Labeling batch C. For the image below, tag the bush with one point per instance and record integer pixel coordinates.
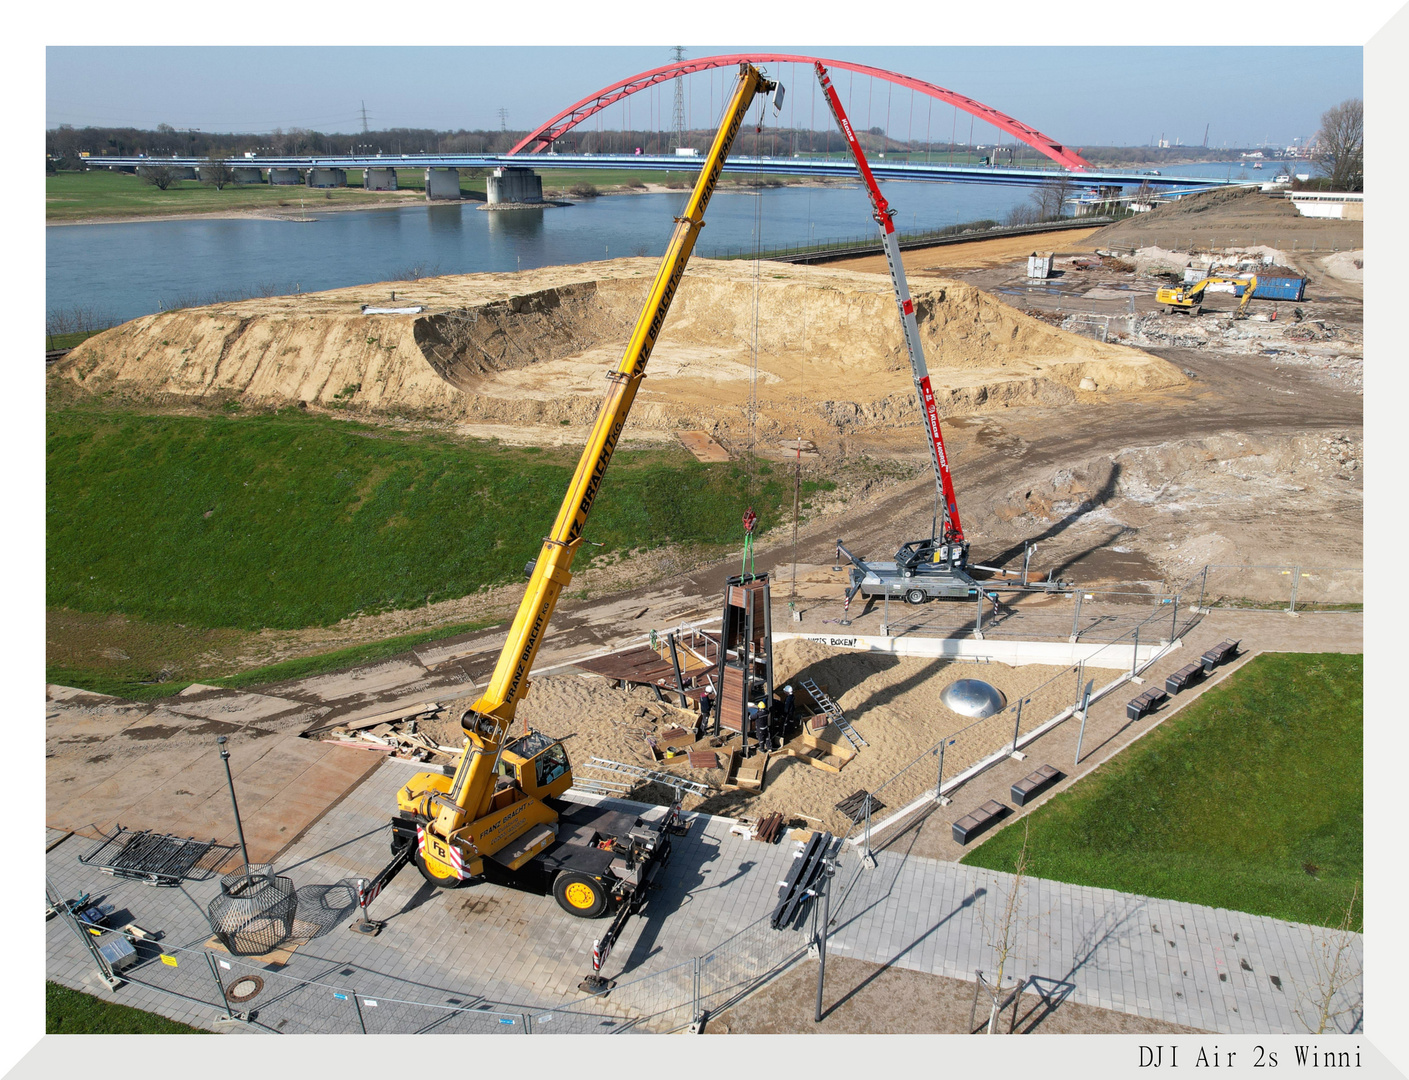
(584, 191)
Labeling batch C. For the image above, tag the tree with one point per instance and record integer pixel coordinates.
(1340, 145)
(160, 177)
(1332, 995)
(217, 172)
(1005, 928)
(1051, 197)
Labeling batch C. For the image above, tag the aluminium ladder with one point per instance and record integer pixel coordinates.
(834, 714)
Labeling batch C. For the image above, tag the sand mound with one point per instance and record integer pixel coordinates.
(1346, 265)
(532, 348)
(894, 702)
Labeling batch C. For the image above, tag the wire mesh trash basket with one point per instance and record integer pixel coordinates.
(254, 913)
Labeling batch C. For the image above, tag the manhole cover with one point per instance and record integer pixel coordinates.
(244, 988)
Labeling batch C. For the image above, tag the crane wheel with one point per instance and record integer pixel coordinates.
(580, 895)
(915, 596)
(429, 873)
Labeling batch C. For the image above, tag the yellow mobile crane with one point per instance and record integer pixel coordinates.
(1190, 299)
(500, 803)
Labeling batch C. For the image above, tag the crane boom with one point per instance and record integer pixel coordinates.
(459, 826)
(944, 482)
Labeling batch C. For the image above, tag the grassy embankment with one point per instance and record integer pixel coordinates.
(186, 533)
(99, 193)
(69, 1012)
(1249, 799)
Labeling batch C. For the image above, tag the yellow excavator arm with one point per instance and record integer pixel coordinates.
(1180, 299)
(458, 826)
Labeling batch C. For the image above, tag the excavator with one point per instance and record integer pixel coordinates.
(501, 813)
(1190, 298)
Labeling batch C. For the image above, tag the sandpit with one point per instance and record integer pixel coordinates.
(532, 348)
(894, 702)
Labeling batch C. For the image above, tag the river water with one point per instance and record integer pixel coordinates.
(135, 268)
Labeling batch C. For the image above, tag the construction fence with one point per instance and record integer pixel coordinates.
(970, 750)
(1295, 588)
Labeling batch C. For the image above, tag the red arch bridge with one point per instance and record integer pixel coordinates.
(535, 151)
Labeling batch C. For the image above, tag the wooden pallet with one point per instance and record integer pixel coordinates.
(854, 805)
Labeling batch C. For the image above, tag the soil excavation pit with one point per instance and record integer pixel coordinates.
(893, 702)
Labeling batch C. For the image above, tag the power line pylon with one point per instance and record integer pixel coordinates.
(677, 137)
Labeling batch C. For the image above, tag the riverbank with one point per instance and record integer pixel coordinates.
(99, 197)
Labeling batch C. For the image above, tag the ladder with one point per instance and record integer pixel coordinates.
(636, 775)
(834, 714)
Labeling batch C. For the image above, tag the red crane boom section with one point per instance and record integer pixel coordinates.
(944, 482)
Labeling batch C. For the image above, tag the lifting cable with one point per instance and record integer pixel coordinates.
(750, 519)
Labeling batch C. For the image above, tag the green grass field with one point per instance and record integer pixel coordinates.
(69, 1012)
(1249, 799)
(75, 196)
(289, 520)
(100, 193)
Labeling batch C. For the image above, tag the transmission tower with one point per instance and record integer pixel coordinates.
(364, 118)
(677, 137)
(503, 119)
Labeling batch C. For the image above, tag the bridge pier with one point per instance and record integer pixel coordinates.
(442, 183)
(380, 179)
(285, 176)
(514, 184)
(323, 177)
(247, 175)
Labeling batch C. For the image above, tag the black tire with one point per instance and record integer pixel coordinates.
(915, 596)
(580, 895)
(437, 881)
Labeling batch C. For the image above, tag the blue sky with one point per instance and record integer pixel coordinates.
(1078, 95)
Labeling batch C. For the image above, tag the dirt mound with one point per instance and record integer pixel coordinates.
(1212, 220)
(819, 343)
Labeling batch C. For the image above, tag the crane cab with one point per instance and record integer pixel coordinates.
(538, 764)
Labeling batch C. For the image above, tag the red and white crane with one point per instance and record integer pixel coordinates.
(953, 530)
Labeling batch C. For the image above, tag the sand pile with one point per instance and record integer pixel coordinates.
(894, 702)
(533, 347)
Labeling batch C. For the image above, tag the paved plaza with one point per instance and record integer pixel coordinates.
(514, 953)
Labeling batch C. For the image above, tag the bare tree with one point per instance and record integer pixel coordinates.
(160, 177)
(217, 172)
(1335, 970)
(1004, 931)
(1340, 145)
(1051, 197)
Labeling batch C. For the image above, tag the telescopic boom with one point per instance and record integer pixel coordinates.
(458, 830)
(944, 483)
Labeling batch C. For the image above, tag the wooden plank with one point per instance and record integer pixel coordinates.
(379, 718)
(752, 771)
(704, 759)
